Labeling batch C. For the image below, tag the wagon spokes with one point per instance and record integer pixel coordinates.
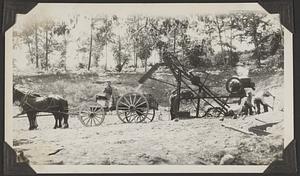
(127, 101)
(132, 107)
(150, 116)
(91, 114)
(126, 105)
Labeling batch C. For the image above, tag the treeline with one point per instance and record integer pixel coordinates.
(197, 40)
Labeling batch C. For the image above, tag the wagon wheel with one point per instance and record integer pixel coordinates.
(91, 114)
(132, 107)
(234, 85)
(150, 116)
(214, 112)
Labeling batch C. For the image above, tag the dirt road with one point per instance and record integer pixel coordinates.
(193, 141)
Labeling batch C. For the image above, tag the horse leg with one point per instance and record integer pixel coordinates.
(64, 113)
(30, 117)
(34, 121)
(66, 116)
(59, 118)
(56, 120)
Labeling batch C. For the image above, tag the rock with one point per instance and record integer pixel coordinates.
(227, 159)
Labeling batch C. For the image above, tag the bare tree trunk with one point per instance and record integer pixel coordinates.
(65, 54)
(256, 45)
(30, 51)
(120, 64)
(105, 67)
(231, 38)
(221, 45)
(138, 47)
(134, 56)
(46, 51)
(36, 48)
(220, 38)
(91, 43)
(119, 53)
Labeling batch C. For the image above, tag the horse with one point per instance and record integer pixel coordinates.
(31, 104)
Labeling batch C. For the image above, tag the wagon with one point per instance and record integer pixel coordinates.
(131, 108)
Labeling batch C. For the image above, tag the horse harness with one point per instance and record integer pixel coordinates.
(24, 101)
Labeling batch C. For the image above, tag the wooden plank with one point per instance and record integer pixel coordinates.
(261, 120)
(236, 129)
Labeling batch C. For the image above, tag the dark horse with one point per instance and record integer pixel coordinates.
(31, 104)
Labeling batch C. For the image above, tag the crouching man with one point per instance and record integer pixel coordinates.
(261, 100)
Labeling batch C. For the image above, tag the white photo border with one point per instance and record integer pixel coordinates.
(288, 114)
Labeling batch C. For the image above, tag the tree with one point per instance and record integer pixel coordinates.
(30, 35)
(91, 44)
(256, 27)
(47, 27)
(232, 26)
(36, 45)
(26, 36)
(141, 42)
(104, 35)
(62, 29)
(169, 34)
(120, 54)
(133, 29)
(94, 44)
(219, 25)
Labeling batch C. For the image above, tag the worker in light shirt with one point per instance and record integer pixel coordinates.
(260, 99)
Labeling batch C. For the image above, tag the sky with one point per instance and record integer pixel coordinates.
(64, 11)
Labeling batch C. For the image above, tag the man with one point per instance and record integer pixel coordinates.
(107, 93)
(245, 107)
(260, 100)
(248, 104)
(185, 94)
(173, 103)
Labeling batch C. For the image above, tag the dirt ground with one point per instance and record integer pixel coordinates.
(186, 142)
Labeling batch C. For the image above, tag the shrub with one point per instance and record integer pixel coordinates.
(227, 58)
(196, 57)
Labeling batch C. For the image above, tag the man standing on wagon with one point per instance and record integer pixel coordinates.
(107, 93)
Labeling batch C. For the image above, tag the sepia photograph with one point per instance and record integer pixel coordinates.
(137, 85)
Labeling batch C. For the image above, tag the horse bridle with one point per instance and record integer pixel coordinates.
(24, 101)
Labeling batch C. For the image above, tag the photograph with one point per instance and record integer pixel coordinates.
(148, 87)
